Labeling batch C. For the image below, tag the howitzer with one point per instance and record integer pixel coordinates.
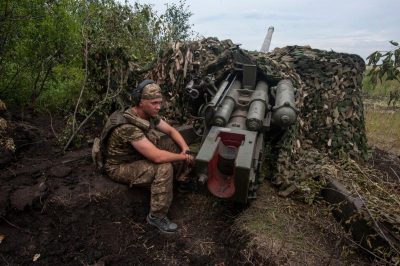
(237, 118)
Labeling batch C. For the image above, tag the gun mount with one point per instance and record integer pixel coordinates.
(237, 118)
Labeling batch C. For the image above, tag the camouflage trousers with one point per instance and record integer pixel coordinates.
(158, 176)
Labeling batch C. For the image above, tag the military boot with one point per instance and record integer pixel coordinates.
(163, 224)
(188, 186)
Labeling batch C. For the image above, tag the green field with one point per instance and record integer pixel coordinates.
(381, 121)
(381, 89)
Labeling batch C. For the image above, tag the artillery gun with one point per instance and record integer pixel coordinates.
(242, 111)
(246, 106)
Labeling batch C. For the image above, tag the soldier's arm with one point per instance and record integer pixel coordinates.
(154, 154)
(174, 134)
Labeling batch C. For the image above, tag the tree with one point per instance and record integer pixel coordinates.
(385, 64)
(119, 41)
(40, 35)
(176, 20)
(70, 56)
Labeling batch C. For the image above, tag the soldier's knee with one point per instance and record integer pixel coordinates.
(164, 176)
(166, 169)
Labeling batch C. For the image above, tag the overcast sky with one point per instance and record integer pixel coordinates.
(351, 26)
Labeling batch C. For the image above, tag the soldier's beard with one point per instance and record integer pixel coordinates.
(151, 113)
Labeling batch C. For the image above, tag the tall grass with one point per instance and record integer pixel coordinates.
(381, 89)
(383, 127)
(382, 123)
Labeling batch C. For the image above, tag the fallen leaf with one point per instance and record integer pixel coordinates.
(329, 142)
(298, 143)
(36, 257)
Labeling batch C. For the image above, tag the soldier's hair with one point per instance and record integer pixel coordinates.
(137, 92)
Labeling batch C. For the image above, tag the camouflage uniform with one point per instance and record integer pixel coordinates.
(126, 165)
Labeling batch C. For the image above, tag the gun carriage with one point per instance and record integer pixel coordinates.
(243, 109)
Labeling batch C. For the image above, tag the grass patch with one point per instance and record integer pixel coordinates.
(287, 231)
(383, 126)
(381, 89)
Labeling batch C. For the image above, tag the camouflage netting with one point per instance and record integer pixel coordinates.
(331, 118)
(205, 62)
(328, 83)
(330, 136)
(330, 131)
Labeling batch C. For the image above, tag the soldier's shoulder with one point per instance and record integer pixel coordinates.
(126, 128)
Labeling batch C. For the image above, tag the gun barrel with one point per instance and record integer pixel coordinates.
(284, 112)
(228, 105)
(267, 41)
(208, 111)
(258, 107)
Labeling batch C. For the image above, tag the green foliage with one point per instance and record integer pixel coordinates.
(50, 50)
(385, 65)
(110, 26)
(380, 88)
(44, 35)
(62, 89)
(176, 22)
(79, 57)
(122, 39)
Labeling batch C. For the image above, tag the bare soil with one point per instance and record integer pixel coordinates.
(55, 209)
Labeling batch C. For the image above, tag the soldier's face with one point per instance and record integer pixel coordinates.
(151, 107)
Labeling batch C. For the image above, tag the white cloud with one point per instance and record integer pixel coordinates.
(353, 26)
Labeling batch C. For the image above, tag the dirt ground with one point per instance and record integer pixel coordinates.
(55, 209)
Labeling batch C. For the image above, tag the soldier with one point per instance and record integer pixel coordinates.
(134, 157)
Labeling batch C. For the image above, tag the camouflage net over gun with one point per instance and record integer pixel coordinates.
(329, 139)
(331, 118)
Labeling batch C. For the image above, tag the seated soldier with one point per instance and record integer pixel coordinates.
(134, 156)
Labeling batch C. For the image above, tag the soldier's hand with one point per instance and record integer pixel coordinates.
(189, 159)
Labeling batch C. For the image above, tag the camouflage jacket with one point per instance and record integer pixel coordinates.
(118, 147)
